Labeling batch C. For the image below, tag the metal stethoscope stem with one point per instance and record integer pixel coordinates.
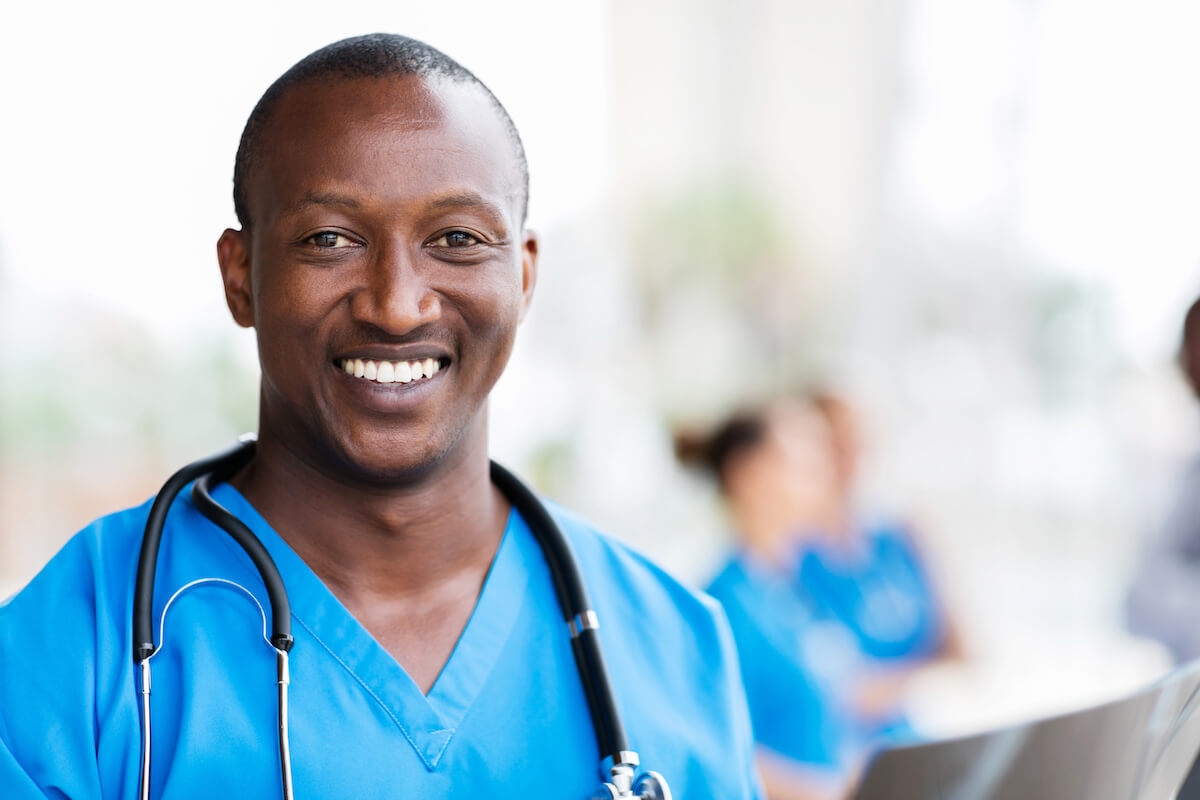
(282, 681)
(285, 753)
(618, 766)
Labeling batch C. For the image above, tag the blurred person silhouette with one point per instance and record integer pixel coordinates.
(868, 570)
(1165, 592)
(832, 615)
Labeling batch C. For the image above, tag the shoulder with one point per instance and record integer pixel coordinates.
(64, 653)
(653, 624)
(728, 580)
(82, 595)
(81, 601)
(88, 568)
(671, 655)
(616, 568)
(891, 535)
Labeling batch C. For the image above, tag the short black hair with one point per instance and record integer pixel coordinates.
(375, 55)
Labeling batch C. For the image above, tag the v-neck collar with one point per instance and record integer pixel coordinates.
(428, 722)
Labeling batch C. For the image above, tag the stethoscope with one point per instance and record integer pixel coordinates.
(618, 763)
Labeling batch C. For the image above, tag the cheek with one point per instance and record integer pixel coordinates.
(293, 298)
(491, 332)
(291, 308)
(493, 305)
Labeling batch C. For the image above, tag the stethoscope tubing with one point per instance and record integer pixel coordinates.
(282, 679)
(577, 613)
(143, 592)
(281, 609)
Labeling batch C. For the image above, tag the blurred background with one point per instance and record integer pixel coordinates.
(977, 221)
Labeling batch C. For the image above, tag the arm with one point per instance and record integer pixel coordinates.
(881, 689)
(48, 733)
(950, 646)
(1164, 598)
(785, 779)
(738, 711)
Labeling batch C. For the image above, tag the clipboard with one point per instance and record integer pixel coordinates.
(1138, 747)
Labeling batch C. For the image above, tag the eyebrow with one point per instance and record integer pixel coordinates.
(327, 199)
(455, 200)
(466, 200)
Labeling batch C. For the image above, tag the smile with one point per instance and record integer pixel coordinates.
(391, 371)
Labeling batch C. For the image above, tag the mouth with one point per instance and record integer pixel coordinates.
(385, 372)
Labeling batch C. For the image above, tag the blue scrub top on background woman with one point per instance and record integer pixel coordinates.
(879, 590)
(791, 711)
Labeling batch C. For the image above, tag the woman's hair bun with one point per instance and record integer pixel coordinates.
(713, 451)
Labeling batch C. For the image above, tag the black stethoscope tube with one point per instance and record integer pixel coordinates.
(143, 593)
(281, 610)
(575, 605)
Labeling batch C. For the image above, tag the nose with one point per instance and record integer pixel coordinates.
(396, 295)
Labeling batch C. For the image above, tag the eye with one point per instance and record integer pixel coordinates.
(454, 239)
(331, 240)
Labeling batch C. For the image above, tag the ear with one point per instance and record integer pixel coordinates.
(233, 254)
(529, 257)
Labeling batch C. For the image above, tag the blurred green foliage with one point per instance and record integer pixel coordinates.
(99, 377)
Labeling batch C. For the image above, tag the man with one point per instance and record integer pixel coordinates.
(384, 265)
(1165, 593)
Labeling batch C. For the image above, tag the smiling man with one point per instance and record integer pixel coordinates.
(385, 266)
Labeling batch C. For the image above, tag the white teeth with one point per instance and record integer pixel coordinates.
(391, 371)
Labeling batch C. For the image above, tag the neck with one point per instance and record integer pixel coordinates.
(764, 535)
(770, 532)
(404, 541)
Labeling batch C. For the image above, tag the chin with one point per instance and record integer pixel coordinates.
(384, 465)
(401, 459)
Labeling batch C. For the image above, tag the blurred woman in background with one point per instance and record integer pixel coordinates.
(831, 614)
(867, 571)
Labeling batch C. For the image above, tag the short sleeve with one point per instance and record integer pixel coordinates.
(737, 711)
(47, 682)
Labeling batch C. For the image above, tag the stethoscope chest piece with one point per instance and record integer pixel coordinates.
(647, 786)
(651, 786)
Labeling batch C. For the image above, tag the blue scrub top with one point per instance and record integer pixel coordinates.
(806, 634)
(506, 718)
(791, 711)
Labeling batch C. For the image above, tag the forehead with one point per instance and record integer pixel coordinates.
(793, 423)
(388, 139)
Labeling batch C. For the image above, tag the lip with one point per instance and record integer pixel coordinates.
(390, 398)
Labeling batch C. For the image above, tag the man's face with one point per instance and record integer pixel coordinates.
(386, 242)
